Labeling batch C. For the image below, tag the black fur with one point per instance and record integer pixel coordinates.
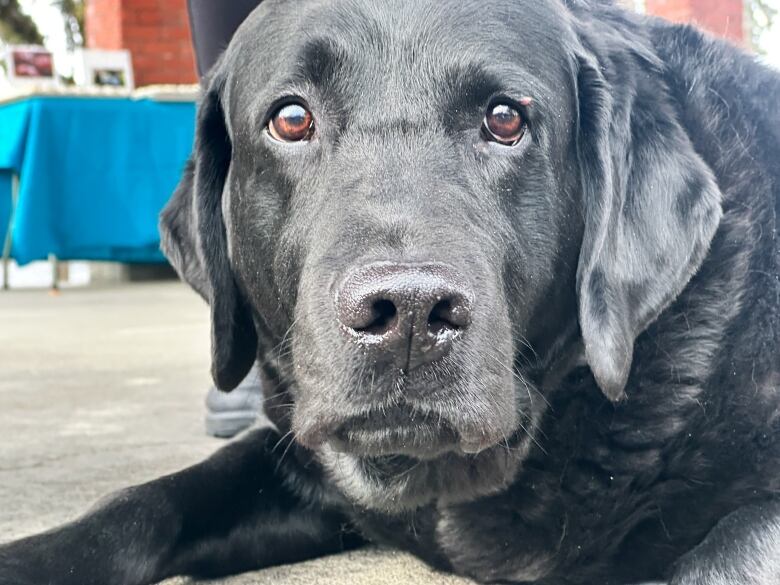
(620, 379)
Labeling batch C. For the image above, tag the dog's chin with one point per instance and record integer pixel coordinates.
(393, 483)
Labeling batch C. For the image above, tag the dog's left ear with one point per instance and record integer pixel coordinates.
(195, 242)
(651, 210)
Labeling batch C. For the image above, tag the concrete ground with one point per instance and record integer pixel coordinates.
(103, 388)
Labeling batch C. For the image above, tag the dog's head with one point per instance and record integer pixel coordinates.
(417, 210)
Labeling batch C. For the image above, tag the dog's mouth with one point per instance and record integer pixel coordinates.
(402, 469)
(451, 431)
(400, 431)
(395, 432)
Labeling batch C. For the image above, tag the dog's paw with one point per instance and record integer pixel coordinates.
(715, 573)
(742, 549)
(30, 561)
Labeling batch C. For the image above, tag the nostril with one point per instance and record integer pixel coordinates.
(439, 318)
(384, 314)
(448, 315)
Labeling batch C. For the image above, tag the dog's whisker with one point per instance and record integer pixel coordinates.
(281, 440)
(284, 454)
(519, 377)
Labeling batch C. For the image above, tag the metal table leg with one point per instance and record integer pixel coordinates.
(55, 272)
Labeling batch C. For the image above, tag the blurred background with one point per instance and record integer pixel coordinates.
(96, 121)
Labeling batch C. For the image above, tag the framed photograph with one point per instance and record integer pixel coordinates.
(29, 65)
(98, 68)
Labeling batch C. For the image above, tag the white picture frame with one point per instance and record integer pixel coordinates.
(30, 65)
(102, 68)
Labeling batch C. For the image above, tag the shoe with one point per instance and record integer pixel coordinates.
(229, 413)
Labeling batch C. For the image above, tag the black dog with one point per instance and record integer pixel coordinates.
(511, 270)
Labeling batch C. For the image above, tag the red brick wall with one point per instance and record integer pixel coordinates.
(155, 31)
(725, 18)
(103, 24)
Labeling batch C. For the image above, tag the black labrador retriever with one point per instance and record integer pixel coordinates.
(511, 271)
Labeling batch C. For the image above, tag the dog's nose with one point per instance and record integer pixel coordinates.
(409, 312)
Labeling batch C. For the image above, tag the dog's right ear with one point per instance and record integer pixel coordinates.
(195, 242)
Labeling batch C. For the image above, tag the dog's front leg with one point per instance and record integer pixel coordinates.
(243, 508)
(742, 549)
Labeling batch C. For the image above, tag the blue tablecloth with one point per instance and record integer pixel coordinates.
(94, 175)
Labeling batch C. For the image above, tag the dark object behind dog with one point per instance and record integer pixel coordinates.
(511, 269)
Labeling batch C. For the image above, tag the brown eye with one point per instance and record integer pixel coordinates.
(291, 123)
(504, 124)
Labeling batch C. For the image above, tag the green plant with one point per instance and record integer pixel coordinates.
(16, 26)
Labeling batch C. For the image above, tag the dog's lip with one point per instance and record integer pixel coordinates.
(400, 430)
(395, 432)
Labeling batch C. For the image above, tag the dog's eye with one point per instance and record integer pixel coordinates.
(504, 124)
(291, 123)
